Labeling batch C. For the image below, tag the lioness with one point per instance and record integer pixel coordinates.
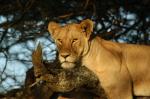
(123, 69)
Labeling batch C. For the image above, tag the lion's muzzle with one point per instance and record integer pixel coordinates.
(67, 60)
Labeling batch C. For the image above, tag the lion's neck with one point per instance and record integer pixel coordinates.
(102, 54)
(93, 54)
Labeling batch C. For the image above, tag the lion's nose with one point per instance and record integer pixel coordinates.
(65, 55)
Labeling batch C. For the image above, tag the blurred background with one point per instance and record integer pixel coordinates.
(23, 23)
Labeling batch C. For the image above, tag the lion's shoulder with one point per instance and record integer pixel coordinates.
(112, 46)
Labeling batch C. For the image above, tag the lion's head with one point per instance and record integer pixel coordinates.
(72, 41)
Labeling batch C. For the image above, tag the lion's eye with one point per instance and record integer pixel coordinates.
(74, 40)
(59, 41)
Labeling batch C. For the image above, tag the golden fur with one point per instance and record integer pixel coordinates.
(123, 69)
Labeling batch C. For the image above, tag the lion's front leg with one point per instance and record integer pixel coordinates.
(118, 91)
(117, 85)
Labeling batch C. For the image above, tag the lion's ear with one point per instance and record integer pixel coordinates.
(87, 27)
(52, 26)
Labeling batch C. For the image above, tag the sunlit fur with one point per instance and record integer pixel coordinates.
(123, 69)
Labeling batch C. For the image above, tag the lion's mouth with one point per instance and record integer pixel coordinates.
(68, 65)
(68, 62)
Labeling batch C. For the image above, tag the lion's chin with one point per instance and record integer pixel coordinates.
(68, 65)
